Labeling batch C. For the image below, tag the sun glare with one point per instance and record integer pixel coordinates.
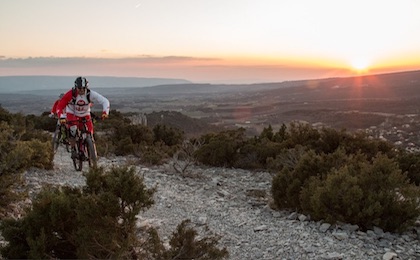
(360, 65)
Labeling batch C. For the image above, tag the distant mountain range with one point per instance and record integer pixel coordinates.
(394, 93)
(26, 84)
(394, 84)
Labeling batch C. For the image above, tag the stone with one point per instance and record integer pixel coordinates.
(324, 227)
(389, 256)
(219, 200)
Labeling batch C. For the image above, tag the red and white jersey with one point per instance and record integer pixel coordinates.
(81, 106)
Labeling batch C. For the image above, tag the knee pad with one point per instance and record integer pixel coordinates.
(73, 130)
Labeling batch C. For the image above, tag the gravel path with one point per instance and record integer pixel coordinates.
(234, 203)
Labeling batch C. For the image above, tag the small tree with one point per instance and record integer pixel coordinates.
(359, 191)
(185, 156)
(67, 223)
(15, 157)
(221, 149)
(98, 222)
(185, 246)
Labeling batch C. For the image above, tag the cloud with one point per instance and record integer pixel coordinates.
(196, 69)
(139, 66)
(62, 61)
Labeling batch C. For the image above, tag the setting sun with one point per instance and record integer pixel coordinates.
(360, 64)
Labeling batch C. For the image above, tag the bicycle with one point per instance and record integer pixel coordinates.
(60, 137)
(84, 148)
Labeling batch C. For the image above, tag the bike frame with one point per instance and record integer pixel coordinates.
(84, 146)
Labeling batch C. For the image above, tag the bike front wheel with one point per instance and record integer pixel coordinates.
(77, 161)
(91, 149)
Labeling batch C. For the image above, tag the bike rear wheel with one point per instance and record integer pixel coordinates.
(64, 138)
(56, 139)
(67, 147)
(91, 149)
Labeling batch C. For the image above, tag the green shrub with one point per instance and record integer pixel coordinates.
(285, 190)
(331, 140)
(151, 155)
(364, 193)
(5, 116)
(43, 122)
(285, 158)
(115, 198)
(36, 134)
(360, 143)
(124, 146)
(221, 149)
(42, 155)
(170, 136)
(410, 163)
(337, 198)
(281, 135)
(28, 154)
(47, 230)
(255, 154)
(104, 146)
(185, 246)
(115, 120)
(14, 158)
(68, 223)
(267, 133)
(139, 134)
(302, 134)
(97, 222)
(8, 184)
(288, 183)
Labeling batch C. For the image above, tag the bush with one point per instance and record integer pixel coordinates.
(302, 134)
(410, 163)
(288, 183)
(15, 157)
(151, 155)
(185, 246)
(139, 134)
(43, 122)
(69, 223)
(126, 138)
(28, 154)
(8, 183)
(221, 149)
(256, 153)
(352, 189)
(170, 136)
(98, 222)
(360, 143)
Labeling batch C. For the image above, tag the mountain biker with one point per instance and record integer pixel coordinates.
(54, 107)
(76, 103)
(62, 117)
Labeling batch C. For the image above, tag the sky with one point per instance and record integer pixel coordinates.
(212, 41)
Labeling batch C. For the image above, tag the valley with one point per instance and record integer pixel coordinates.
(384, 106)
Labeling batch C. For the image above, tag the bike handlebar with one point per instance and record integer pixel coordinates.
(80, 120)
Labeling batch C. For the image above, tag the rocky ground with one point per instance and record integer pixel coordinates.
(234, 204)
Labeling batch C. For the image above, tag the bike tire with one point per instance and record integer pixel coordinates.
(56, 139)
(65, 142)
(91, 149)
(77, 162)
